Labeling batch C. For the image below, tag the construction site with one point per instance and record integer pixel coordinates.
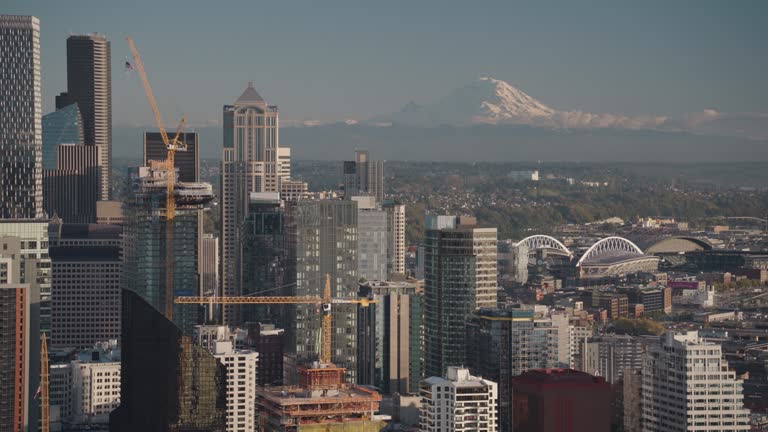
(322, 402)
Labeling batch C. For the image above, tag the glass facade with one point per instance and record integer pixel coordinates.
(144, 255)
(63, 126)
(326, 242)
(372, 244)
(168, 382)
(268, 260)
(502, 344)
(21, 177)
(460, 276)
(389, 337)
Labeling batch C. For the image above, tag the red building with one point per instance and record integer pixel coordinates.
(560, 400)
(19, 336)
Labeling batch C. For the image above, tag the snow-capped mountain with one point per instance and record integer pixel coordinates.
(494, 101)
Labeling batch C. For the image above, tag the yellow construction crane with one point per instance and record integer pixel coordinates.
(172, 147)
(326, 301)
(45, 413)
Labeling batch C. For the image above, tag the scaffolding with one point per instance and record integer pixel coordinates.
(322, 402)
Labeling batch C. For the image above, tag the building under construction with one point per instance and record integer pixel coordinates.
(145, 240)
(322, 402)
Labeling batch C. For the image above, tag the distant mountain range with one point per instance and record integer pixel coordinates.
(490, 120)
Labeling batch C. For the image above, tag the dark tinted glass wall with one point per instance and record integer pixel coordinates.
(167, 382)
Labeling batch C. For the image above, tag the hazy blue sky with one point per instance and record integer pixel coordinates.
(331, 60)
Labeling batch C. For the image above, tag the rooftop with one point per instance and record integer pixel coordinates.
(558, 375)
(250, 97)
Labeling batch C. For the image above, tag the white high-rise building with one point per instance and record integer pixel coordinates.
(687, 386)
(241, 386)
(21, 136)
(284, 163)
(396, 238)
(459, 402)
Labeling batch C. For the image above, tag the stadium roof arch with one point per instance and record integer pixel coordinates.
(614, 256)
(541, 241)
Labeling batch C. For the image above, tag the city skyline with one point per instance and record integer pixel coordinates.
(650, 59)
(416, 286)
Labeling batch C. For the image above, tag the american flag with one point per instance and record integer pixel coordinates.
(128, 66)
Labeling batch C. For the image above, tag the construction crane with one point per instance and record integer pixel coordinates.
(326, 301)
(45, 409)
(172, 146)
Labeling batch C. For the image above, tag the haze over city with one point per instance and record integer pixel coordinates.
(425, 216)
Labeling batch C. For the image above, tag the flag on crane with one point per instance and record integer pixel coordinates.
(128, 66)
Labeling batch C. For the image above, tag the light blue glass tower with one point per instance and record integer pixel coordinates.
(64, 126)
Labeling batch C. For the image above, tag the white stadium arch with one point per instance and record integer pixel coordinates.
(610, 246)
(541, 241)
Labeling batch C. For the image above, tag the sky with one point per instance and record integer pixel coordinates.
(334, 60)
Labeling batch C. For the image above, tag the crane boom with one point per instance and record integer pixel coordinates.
(170, 199)
(147, 89)
(326, 301)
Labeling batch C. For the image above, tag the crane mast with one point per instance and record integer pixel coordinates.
(45, 409)
(170, 204)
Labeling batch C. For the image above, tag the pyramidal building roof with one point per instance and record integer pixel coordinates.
(250, 97)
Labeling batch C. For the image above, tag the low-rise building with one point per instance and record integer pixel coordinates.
(86, 390)
(551, 400)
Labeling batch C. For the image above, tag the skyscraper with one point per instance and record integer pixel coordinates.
(188, 162)
(89, 84)
(364, 176)
(72, 189)
(249, 164)
(688, 386)
(21, 177)
(326, 243)
(63, 126)
(167, 381)
(209, 265)
(503, 343)
(86, 261)
(372, 239)
(19, 356)
(389, 337)
(395, 238)
(241, 366)
(266, 261)
(145, 258)
(460, 277)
